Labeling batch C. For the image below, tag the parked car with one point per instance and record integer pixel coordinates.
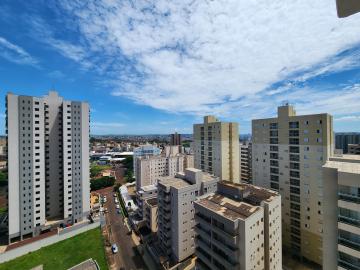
(115, 194)
(117, 206)
(114, 248)
(116, 200)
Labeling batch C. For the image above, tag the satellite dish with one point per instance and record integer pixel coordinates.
(346, 8)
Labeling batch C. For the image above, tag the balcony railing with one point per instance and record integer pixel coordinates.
(348, 265)
(350, 221)
(350, 244)
(349, 198)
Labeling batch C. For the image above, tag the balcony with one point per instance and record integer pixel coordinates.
(349, 198)
(348, 243)
(348, 265)
(350, 221)
(228, 249)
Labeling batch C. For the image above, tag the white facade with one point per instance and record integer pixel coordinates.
(48, 140)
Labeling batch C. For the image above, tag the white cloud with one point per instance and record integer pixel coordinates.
(217, 56)
(15, 54)
(348, 118)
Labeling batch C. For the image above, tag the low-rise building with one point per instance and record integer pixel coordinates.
(176, 196)
(239, 227)
(341, 244)
(145, 193)
(151, 209)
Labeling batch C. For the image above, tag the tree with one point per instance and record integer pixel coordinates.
(105, 181)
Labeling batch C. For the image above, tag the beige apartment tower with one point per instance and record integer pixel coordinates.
(239, 227)
(288, 153)
(176, 196)
(216, 148)
(342, 213)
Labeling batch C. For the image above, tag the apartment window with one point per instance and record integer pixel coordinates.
(294, 157)
(294, 149)
(273, 133)
(293, 133)
(293, 124)
(273, 125)
(274, 148)
(274, 140)
(294, 174)
(293, 141)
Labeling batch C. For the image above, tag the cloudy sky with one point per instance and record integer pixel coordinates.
(159, 66)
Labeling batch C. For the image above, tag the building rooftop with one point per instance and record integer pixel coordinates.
(251, 193)
(171, 181)
(344, 163)
(227, 207)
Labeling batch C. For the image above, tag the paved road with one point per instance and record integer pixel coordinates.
(119, 173)
(127, 258)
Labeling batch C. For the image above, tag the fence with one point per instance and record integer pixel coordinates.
(65, 234)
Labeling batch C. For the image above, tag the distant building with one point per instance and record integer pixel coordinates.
(342, 140)
(341, 206)
(288, 152)
(216, 148)
(48, 159)
(175, 139)
(143, 194)
(245, 162)
(144, 151)
(176, 196)
(239, 227)
(354, 149)
(151, 213)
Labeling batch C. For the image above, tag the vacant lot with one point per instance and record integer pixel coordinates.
(63, 255)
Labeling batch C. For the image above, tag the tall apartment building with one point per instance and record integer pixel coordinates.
(342, 212)
(216, 148)
(176, 196)
(288, 153)
(48, 158)
(354, 149)
(175, 139)
(343, 139)
(245, 162)
(239, 227)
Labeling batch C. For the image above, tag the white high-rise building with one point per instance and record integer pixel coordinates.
(48, 158)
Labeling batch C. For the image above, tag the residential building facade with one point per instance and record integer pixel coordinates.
(175, 139)
(48, 159)
(354, 149)
(176, 196)
(239, 227)
(343, 139)
(245, 162)
(342, 212)
(216, 148)
(288, 153)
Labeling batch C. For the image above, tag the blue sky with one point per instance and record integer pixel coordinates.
(159, 66)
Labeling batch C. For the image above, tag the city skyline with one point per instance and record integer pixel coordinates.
(139, 82)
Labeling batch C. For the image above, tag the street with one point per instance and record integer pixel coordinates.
(127, 257)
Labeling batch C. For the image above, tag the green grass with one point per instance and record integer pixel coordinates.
(64, 254)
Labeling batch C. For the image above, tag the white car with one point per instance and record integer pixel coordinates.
(117, 206)
(116, 200)
(114, 248)
(115, 195)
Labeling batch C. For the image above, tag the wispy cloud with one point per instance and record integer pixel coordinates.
(15, 53)
(220, 57)
(348, 118)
